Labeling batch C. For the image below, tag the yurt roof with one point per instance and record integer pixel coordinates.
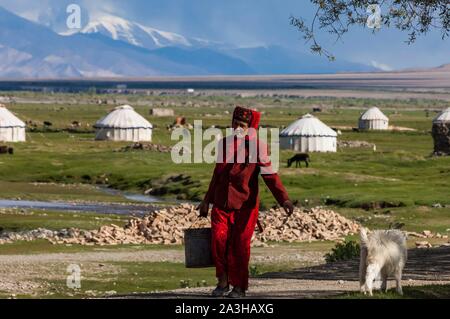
(308, 125)
(7, 119)
(374, 113)
(444, 116)
(123, 117)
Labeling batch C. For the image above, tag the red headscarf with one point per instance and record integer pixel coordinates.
(251, 117)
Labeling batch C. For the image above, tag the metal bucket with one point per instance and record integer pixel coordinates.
(197, 243)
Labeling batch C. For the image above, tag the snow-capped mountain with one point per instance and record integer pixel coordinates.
(113, 47)
(137, 34)
(31, 50)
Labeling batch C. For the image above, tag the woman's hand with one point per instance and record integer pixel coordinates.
(288, 207)
(203, 209)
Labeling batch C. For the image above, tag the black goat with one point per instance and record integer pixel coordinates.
(298, 158)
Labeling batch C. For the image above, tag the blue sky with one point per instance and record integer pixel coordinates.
(249, 23)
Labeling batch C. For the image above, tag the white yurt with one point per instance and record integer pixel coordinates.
(373, 119)
(124, 124)
(308, 134)
(11, 128)
(443, 117)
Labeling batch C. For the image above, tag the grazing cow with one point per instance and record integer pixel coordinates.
(6, 150)
(47, 123)
(75, 124)
(298, 158)
(31, 124)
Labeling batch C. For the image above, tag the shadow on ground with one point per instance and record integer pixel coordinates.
(424, 267)
(423, 264)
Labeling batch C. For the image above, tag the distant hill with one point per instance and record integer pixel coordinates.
(279, 60)
(444, 68)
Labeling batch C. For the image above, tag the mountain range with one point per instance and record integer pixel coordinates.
(110, 46)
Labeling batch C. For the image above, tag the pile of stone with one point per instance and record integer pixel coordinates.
(147, 147)
(305, 225)
(162, 112)
(355, 144)
(166, 226)
(426, 234)
(10, 211)
(28, 235)
(423, 244)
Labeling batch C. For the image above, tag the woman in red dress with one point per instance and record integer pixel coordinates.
(233, 191)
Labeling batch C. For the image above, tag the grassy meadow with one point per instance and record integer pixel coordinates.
(398, 183)
(401, 171)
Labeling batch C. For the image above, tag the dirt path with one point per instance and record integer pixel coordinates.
(424, 267)
(136, 256)
(31, 273)
(266, 288)
(259, 255)
(18, 273)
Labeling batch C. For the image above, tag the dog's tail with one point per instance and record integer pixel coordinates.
(363, 236)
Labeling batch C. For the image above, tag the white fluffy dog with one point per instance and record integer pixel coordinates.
(383, 254)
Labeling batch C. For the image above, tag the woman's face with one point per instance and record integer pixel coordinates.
(240, 128)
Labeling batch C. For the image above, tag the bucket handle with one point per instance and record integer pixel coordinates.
(193, 223)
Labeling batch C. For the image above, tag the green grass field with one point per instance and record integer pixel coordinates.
(399, 183)
(401, 171)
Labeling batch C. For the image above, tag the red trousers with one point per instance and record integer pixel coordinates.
(232, 232)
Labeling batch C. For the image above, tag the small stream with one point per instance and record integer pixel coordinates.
(111, 208)
(132, 196)
(141, 207)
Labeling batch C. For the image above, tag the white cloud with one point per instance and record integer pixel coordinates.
(381, 66)
(30, 15)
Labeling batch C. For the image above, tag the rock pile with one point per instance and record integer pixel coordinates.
(423, 244)
(29, 235)
(166, 226)
(355, 144)
(427, 234)
(147, 147)
(305, 225)
(162, 112)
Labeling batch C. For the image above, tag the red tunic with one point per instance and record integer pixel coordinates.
(235, 185)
